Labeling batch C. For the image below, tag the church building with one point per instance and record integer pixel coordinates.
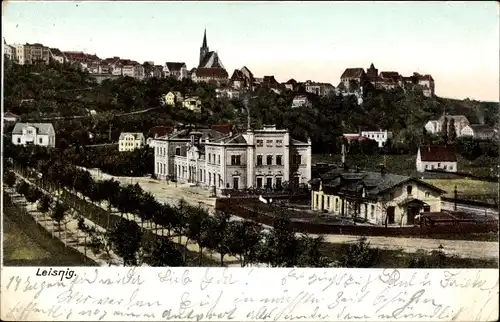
(209, 59)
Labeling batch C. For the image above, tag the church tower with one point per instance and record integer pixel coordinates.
(204, 48)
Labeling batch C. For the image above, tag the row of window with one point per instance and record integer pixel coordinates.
(236, 159)
(40, 140)
(269, 143)
(129, 144)
(445, 167)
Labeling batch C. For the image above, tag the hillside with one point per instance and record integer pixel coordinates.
(57, 89)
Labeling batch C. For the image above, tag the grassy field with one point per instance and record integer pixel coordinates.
(405, 164)
(27, 244)
(465, 186)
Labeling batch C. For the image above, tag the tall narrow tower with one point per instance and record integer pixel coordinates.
(204, 48)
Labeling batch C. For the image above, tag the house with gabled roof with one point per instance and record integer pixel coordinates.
(177, 70)
(436, 157)
(221, 158)
(10, 117)
(479, 131)
(42, 134)
(129, 141)
(379, 198)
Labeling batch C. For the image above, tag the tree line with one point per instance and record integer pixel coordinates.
(33, 90)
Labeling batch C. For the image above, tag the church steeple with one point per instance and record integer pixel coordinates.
(204, 48)
(204, 39)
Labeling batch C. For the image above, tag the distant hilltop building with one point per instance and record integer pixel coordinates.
(209, 59)
(354, 79)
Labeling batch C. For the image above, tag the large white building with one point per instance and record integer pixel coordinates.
(379, 136)
(42, 134)
(255, 158)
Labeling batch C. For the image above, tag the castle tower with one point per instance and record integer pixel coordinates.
(204, 47)
(372, 71)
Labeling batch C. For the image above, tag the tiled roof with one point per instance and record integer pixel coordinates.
(211, 72)
(9, 114)
(353, 73)
(237, 75)
(223, 128)
(375, 183)
(56, 52)
(426, 78)
(481, 128)
(158, 131)
(175, 66)
(456, 118)
(205, 133)
(438, 153)
(43, 128)
(390, 75)
(136, 135)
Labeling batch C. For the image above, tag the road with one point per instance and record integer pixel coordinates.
(74, 117)
(446, 205)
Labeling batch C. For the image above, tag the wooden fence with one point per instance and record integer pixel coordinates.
(267, 218)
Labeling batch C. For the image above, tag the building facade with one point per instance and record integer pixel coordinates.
(130, 141)
(376, 197)
(436, 157)
(41, 134)
(380, 136)
(479, 131)
(176, 70)
(301, 101)
(255, 158)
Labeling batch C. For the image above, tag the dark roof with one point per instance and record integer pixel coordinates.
(203, 132)
(56, 52)
(391, 75)
(237, 75)
(375, 183)
(223, 128)
(211, 72)
(158, 131)
(175, 66)
(481, 128)
(353, 73)
(438, 153)
(9, 114)
(292, 82)
(207, 57)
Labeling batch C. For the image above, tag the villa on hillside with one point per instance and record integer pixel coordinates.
(130, 141)
(377, 197)
(41, 134)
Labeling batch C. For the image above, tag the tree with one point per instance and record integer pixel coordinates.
(164, 253)
(44, 204)
(359, 255)
(444, 130)
(309, 252)
(220, 228)
(125, 238)
(452, 132)
(58, 214)
(245, 241)
(280, 247)
(9, 178)
(197, 224)
(22, 188)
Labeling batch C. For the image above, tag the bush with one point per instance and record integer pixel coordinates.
(359, 255)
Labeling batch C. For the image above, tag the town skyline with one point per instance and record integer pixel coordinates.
(452, 61)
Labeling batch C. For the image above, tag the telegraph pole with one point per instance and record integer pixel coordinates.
(456, 196)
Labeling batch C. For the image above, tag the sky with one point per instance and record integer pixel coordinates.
(456, 42)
